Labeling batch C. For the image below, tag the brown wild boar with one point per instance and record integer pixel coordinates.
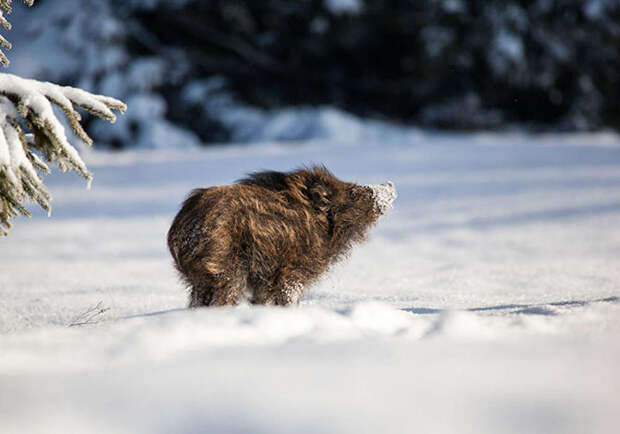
(270, 235)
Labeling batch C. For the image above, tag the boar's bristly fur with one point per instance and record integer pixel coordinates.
(270, 235)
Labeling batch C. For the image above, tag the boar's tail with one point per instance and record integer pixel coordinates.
(183, 228)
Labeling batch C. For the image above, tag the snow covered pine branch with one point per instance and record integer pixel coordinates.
(5, 6)
(28, 123)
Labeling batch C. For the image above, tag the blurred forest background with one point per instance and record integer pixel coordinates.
(195, 72)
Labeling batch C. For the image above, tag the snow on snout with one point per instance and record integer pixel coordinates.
(384, 195)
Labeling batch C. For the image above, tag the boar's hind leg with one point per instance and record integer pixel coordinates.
(217, 290)
(200, 297)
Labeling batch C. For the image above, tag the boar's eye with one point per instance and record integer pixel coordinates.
(358, 193)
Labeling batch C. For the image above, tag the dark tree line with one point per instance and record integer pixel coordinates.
(455, 64)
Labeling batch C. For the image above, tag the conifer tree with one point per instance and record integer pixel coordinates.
(29, 130)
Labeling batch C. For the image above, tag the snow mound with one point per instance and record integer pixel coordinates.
(307, 123)
(179, 333)
(172, 334)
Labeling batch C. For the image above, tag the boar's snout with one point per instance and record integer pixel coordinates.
(384, 195)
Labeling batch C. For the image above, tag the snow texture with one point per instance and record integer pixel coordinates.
(485, 301)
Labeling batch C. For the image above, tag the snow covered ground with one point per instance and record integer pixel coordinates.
(487, 301)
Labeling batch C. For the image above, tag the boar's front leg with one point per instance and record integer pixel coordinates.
(282, 294)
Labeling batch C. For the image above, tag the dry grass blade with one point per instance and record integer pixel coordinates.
(90, 315)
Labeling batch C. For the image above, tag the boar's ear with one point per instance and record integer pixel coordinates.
(319, 196)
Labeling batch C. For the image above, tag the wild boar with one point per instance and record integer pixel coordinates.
(272, 234)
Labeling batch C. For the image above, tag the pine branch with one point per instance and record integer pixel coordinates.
(5, 6)
(29, 103)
